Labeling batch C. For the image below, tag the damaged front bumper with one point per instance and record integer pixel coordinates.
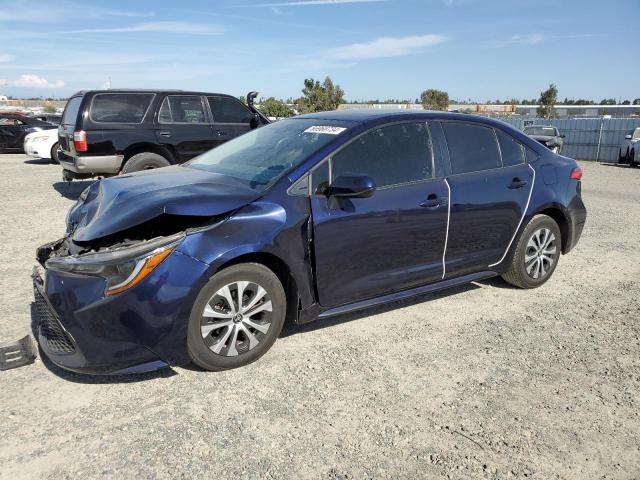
(79, 328)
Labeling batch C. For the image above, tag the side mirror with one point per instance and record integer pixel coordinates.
(628, 137)
(352, 186)
(563, 136)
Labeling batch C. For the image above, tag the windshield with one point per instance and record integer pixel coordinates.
(550, 131)
(262, 156)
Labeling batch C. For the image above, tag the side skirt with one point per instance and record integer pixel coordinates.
(393, 297)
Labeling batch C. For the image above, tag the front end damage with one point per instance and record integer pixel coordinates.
(115, 293)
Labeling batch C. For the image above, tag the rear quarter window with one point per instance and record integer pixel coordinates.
(512, 152)
(120, 107)
(70, 114)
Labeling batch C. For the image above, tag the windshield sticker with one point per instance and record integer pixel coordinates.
(325, 129)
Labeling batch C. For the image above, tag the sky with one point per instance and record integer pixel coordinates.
(478, 50)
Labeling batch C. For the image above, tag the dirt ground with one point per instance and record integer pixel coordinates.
(482, 381)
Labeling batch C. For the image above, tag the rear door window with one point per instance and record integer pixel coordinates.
(512, 152)
(390, 155)
(472, 148)
(182, 109)
(229, 110)
(70, 114)
(120, 107)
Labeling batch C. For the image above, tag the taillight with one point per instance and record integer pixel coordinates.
(80, 140)
(576, 174)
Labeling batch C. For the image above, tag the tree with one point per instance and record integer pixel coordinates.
(547, 100)
(272, 107)
(434, 99)
(636, 101)
(320, 97)
(243, 99)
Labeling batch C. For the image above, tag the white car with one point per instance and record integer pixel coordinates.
(42, 144)
(630, 146)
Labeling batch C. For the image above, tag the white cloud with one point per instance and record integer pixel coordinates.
(303, 3)
(531, 39)
(385, 47)
(160, 27)
(31, 81)
(5, 57)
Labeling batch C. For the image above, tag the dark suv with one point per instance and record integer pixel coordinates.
(106, 132)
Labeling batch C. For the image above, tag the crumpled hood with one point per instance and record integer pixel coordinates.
(116, 204)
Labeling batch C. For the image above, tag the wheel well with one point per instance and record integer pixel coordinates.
(282, 271)
(562, 222)
(149, 147)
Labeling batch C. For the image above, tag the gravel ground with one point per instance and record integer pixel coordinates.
(482, 381)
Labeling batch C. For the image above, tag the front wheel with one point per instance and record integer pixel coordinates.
(236, 318)
(536, 255)
(54, 153)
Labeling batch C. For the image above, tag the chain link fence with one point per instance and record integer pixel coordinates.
(597, 139)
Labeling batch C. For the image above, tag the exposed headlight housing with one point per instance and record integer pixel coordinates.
(122, 268)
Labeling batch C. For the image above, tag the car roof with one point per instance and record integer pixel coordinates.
(367, 115)
(147, 90)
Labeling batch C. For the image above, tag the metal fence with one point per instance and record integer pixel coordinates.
(596, 139)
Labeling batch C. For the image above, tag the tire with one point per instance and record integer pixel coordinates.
(213, 325)
(144, 161)
(54, 153)
(524, 271)
(632, 159)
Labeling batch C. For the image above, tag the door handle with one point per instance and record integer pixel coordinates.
(433, 201)
(220, 133)
(165, 134)
(517, 183)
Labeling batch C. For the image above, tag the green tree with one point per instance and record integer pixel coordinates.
(243, 99)
(272, 107)
(319, 97)
(547, 100)
(626, 102)
(434, 99)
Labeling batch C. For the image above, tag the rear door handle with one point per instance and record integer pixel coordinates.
(221, 133)
(517, 183)
(433, 201)
(165, 134)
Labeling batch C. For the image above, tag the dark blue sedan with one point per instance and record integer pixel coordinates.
(303, 219)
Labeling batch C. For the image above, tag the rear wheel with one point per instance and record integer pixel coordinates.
(236, 318)
(536, 255)
(54, 153)
(144, 161)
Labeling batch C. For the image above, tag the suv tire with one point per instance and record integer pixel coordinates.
(536, 255)
(144, 161)
(223, 334)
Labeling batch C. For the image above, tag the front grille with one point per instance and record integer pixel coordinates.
(49, 328)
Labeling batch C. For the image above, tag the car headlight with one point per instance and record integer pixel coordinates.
(121, 268)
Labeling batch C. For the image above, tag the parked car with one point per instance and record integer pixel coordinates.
(312, 216)
(50, 118)
(107, 132)
(546, 135)
(14, 127)
(42, 144)
(630, 145)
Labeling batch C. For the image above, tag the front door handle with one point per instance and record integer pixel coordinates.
(433, 201)
(220, 133)
(517, 183)
(165, 134)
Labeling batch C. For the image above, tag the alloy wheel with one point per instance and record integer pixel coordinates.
(541, 253)
(236, 319)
